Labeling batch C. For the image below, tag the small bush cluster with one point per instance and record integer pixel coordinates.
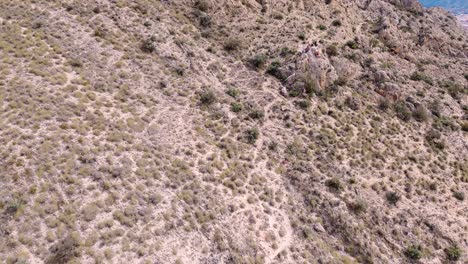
(402, 111)
(207, 97)
(258, 60)
(433, 137)
(334, 183)
(232, 44)
(336, 23)
(384, 104)
(453, 253)
(352, 44)
(233, 92)
(322, 27)
(459, 195)
(251, 135)
(148, 45)
(332, 50)
(202, 5)
(64, 251)
(420, 114)
(419, 76)
(413, 252)
(393, 197)
(236, 107)
(274, 70)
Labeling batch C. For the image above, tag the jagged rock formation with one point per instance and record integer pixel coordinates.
(234, 131)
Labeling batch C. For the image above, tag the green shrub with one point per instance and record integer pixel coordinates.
(392, 197)
(384, 104)
(63, 251)
(285, 51)
(334, 183)
(236, 107)
(304, 104)
(251, 135)
(207, 97)
(420, 114)
(332, 50)
(433, 137)
(419, 76)
(232, 44)
(358, 206)
(453, 253)
(464, 126)
(148, 45)
(454, 89)
(13, 207)
(256, 114)
(435, 107)
(202, 5)
(233, 92)
(301, 36)
(352, 44)
(274, 70)
(321, 27)
(413, 252)
(258, 60)
(75, 63)
(336, 23)
(459, 195)
(402, 111)
(278, 16)
(204, 20)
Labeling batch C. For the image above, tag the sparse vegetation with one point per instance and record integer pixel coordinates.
(128, 124)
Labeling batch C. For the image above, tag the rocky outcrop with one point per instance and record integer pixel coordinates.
(309, 71)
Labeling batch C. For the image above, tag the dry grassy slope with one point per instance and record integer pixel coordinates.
(182, 152)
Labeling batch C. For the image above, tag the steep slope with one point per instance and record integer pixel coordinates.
(232, 131)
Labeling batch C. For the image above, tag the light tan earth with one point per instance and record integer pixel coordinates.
(151, 131)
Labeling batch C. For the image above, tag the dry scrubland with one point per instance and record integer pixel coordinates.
(149, 131)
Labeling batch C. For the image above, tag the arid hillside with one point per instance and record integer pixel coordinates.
(232, 131)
